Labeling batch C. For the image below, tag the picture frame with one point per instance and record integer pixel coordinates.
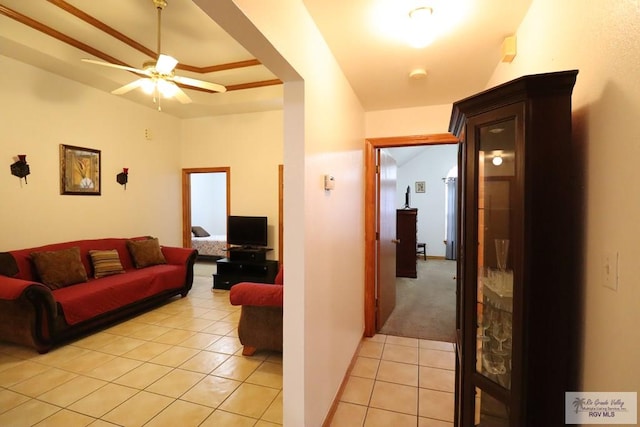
(80, 171)
(420, 187)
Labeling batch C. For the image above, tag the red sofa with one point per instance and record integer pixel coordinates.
(41, 315)
(260, 325)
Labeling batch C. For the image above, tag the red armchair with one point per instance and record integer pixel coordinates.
(260, 325)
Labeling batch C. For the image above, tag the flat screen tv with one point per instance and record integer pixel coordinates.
(247, 231)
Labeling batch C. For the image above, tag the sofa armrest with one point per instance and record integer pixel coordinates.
(175, 255)
(12, 288)
(256, 294)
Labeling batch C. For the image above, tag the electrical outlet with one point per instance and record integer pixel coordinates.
(610, 270)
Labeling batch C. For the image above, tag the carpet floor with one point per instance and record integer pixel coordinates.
(426, 306)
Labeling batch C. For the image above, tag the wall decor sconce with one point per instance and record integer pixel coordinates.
(21, 168)
(123, 177)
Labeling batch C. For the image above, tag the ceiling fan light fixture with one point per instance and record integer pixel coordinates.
(148, 86)
(167, 89)
(166, 64)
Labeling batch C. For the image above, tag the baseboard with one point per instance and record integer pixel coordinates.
(334, 406)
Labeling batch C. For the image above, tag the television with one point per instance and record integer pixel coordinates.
(247, 231)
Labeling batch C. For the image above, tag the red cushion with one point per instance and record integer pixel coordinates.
(280, 277)
(257, 294)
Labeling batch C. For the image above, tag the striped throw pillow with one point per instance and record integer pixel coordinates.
(105, 263)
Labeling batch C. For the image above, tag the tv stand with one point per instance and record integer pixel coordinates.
(248, 253)
(232, 271)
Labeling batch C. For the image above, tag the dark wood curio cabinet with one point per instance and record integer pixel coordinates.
(519, 259)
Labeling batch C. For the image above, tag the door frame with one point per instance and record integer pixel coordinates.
(371, 214)
(186, 198)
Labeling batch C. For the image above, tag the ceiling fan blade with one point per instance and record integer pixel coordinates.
(120, 67)
(182, 97)
(166, 64)
(128, 87)
(187, 81)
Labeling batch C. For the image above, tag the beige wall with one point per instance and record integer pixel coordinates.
(39, 111)
(408, 121)
(251, 145)
(600, 38)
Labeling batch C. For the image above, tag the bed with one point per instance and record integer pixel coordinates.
(208, 246)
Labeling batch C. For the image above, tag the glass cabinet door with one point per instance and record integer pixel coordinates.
(495, 151)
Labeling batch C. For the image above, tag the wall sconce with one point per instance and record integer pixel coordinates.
(123, 177)
(21, 168)
(497, 160)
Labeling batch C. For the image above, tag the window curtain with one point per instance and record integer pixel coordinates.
(452, 210)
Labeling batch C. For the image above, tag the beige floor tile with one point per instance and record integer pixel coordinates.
(268, 374)
(430, 422)
(382, 338)
(147, 351)
(175, 383)
(66, 418)
(143, 376)
(263, 423)
(200, 340)
(43, 382)
(365, 367)
(220, 328)
(227, 345)
(174, 321)
(357, 390)
(87, 362)
(227, 419)
(249, 400)
(149, 332)
(437, 345)
(138, 410)
(127, 328)
(174, 336)
(114, 368)
(205, 362)
(371, 349)
(437, 379)
(71, 391)
(175, 356)
(237, 368)
(18, 351)
(436, 404)
(101, 423)
(122, 345)
(95, 341)
(59, 355)
(348, 415)
(20, 372)
(103, 400)
(10, 399)
(381, 418)
(400, 353)
(27, 414)
(189, 414)
(196, 324)
(211, 391)
(395, 397)
(151, 317)
(437, 359)
(399, 373)
(273, 414)
(409, 342)
(7, 361)
(214, 314)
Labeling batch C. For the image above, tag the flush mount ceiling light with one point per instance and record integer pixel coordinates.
(497, 160)
(421, 31)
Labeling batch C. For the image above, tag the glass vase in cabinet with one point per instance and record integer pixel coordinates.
(519, 280)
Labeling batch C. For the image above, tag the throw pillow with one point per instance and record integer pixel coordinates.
(8, 265)
(199, 231)
(61, 268)
(146, 252)
(105, 263)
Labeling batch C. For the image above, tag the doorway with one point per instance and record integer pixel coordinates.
(373, 267)
(189, 201)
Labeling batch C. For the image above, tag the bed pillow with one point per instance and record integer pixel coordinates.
(146, 253)
(60, 268)
(199, 231)
(105, 263)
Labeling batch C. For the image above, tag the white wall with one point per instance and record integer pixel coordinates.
(39, 111)
(430, 166)
(209, 202)
(251, 145)
(600, 38)
(324, 231)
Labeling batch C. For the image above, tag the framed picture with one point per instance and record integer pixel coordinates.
(79, 170)
(420, 187)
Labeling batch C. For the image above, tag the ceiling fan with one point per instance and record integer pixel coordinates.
(159, 77)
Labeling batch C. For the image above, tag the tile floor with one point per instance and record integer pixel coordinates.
(399, 382)
(181, 364)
